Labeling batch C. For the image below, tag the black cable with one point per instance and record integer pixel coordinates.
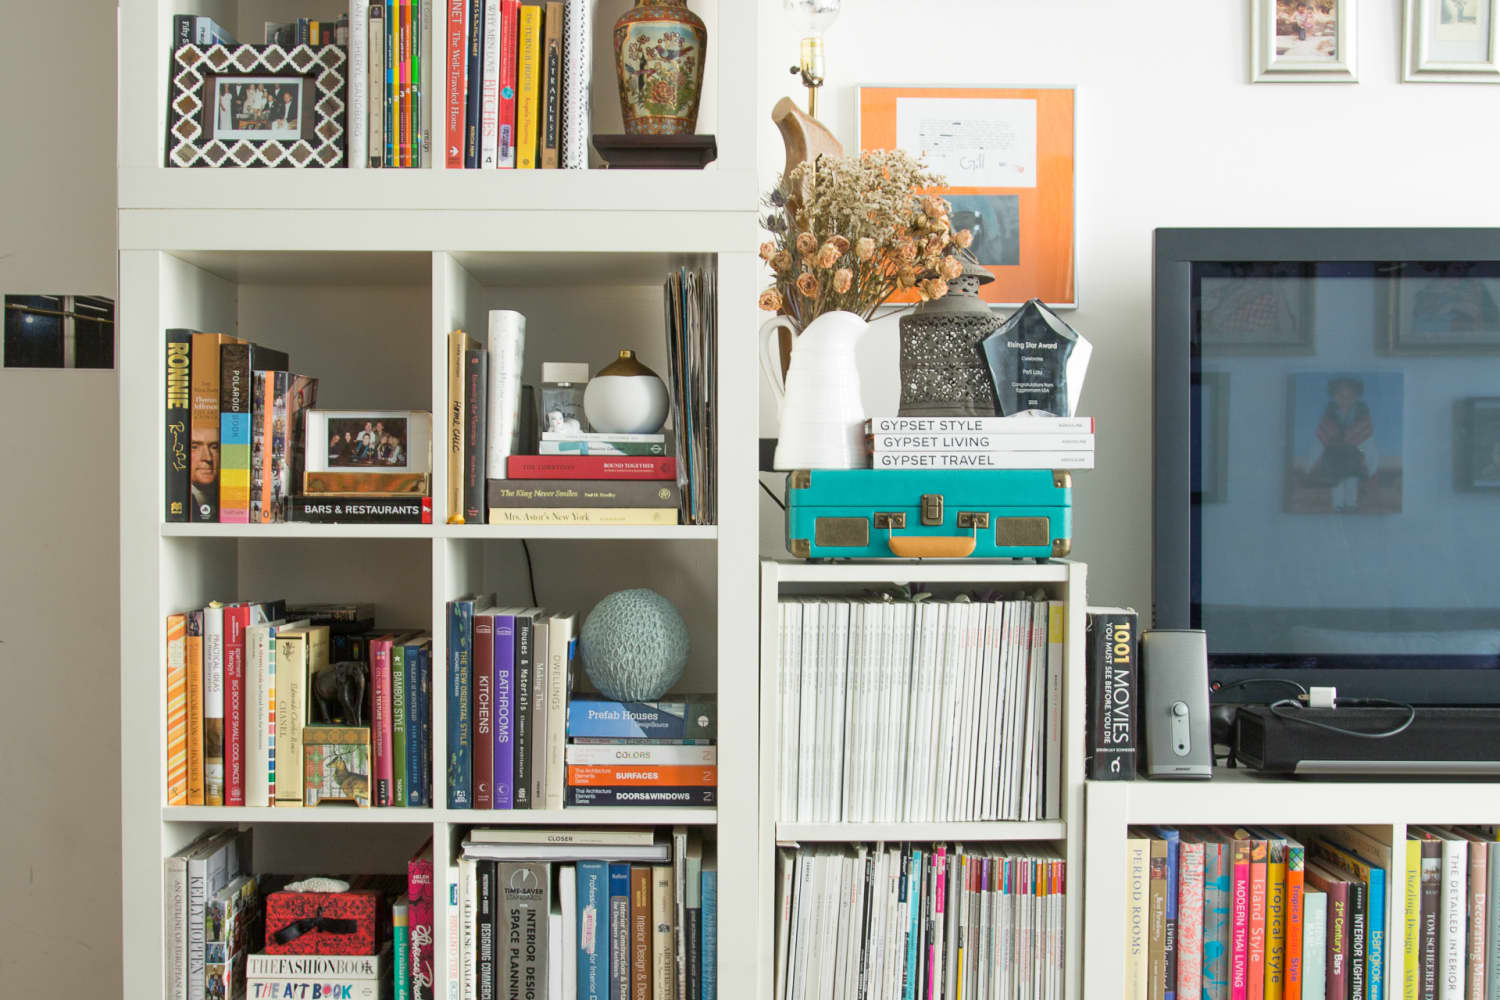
(1280, 709)
(530, 576)
(774, 498)
(1246, 682)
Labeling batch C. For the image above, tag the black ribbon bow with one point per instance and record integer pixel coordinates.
(320, 923)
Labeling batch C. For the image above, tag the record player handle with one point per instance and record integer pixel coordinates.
(932, 546)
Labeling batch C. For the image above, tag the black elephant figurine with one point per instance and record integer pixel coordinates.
(338, 693)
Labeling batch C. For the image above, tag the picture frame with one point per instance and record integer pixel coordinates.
(1303, 41)
(1211, 437)
(356, 441)
(1441, 308)
(1346, 440)
(219, 112)
(1451, 41)
(1256, 309)
(1008, 156)
(1476, 444)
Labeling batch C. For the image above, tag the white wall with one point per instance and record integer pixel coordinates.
(1169, 133)
(59, 545)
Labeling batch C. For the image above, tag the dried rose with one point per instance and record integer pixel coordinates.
(841, 243)
(934, 207)
(934, 288)
(770, 300)
(864, 248)
(781, 260)
(828, 255)
(766, 250)
(907, 251)
(806, 243)
(952, 268)
(807, 284)
(964, 238)
(843, 280)
(907, 277)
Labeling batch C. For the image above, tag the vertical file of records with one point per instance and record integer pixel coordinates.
(692, 311)
(895, 709)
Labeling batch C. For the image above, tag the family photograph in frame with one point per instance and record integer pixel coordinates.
(1345, 443)
(1302, 41)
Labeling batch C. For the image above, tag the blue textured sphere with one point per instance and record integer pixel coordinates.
(634, 645)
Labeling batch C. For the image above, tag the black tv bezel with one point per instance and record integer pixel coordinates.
(1176, 251)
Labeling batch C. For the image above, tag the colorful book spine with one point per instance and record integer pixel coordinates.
(1411, 940)
(1255, 974)
(177, 711)
(419, 889)
(415, 724)
(460, 650)
(457, 84)
(1295, 914)
(1156, 901)
(589, 467)
(1478, 906)
(1113, 692)
(593, 944)
(484, 699)
(178, 420)
(1190, 917)
(236, 619)
(401, 948)
(234, 433)
(525, 628)
(510, 34)
(193, 676)
(380, 719)
(527, 81)
(1216, 896)
(1276, 929)
(399, 709)
(710, 934)
(203, 454)
(1169, 940)
(405, 88)
(1239, 921)
(503, 711)
(619, 932)
(640, 933)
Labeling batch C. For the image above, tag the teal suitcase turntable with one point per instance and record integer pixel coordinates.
(926, 514)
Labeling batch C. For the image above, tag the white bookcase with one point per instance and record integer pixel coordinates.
(359, 275)
(1061, 580)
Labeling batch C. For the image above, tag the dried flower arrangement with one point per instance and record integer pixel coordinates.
(848, 232)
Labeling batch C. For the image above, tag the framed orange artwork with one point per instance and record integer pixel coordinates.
(1007, 156)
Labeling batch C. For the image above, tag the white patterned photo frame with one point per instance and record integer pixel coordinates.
(317, 141)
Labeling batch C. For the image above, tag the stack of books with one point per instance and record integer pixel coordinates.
(1221, 912)
(981, 442)
(517, 739)
(590, 486)
(927, 921)
(930, 711)
(210, 888)
(646, 753)
(584, 913)
(258, 716)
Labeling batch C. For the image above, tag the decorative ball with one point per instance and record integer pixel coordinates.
(626, 398)
(634, 645)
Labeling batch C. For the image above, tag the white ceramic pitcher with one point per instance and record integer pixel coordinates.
(822, 418)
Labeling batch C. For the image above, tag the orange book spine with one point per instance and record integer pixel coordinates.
(671, 775)
(193, 685)
(177, 767)
(1295, 890)
(263, 444)
(1257, 972)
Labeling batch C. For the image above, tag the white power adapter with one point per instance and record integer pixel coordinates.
(1322, 697)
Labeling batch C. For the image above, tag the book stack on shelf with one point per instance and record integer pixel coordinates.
(502, 470)
(234, 934)
(971, 689)
(518, 82)
(277, 705)
(584, 913)
(926, 921)
(1226, 912)
(1021, 442)
(517, 739)
(1452, 928)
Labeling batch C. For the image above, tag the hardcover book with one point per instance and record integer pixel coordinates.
(528, 80)
(238, 362)
(178, 418)
(177, 711)
(482, 773)
(204, 450)
(582, 493)
(476, 417)
(692, 719)
(460, 681)
(551, 85)
(419, 889)
(590, 467)
(193, 653)
(525, 902)
(1114, 689)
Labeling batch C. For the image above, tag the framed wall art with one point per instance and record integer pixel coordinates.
(1255, 308)
(1443, 308)
(1478, 443)
(1302, 41)
(257, 106)
(1451, 41)
(1007, 156)
(1345, 444)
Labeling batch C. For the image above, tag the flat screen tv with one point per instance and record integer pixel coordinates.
(1327, 458)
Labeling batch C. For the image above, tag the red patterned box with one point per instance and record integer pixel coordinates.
(323, 923)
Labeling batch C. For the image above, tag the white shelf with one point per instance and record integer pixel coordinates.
(294, 530)
(922, 571)
(223, 815)
(838, 833)
(643, 532)
(472, 532)
(599, 816)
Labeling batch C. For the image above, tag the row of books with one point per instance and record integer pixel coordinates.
(914, 922)
(901, 710)
(1020, 442)
(1257, 912)
(277, 705)
(584, 913)
(518, 84)
(216, 931)
(518, 740)
(234, 419)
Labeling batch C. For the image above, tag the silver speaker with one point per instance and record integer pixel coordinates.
(1174, 707)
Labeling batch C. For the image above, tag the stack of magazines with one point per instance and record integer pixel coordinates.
(692, 309)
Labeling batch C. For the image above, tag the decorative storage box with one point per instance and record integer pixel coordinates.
(324, 923)
(336, 765)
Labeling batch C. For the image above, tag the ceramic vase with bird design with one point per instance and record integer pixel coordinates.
(660, 47)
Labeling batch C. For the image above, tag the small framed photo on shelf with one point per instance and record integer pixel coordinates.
(257, 106)
(1302, 41)
(386, 441)
(1478, 444)
(1451, 41)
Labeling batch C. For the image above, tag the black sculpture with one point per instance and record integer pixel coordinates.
(338, 693)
